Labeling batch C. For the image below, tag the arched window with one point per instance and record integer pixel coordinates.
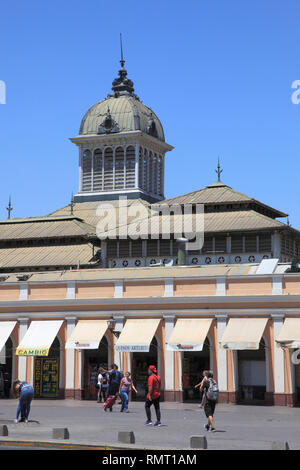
(87, 171)
(108, 168)
(130, 167)
(119, 168)
(97, 173)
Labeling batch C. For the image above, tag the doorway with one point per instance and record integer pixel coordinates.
(46, 373)
(6, 365)
(93, 359)
(252, 378)
(193, 365)
(140, 363)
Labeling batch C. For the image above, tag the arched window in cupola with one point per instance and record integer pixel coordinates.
(108, 169)
(119, 168)
(130, 167)
(97, 170)
(87, 171)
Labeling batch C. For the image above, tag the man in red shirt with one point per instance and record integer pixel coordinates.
(153, 396)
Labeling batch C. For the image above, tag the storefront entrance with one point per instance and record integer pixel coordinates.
(252, 375)
(6, 361)
(93, 359)
(46, 373)
(193, 365)
(140, 363)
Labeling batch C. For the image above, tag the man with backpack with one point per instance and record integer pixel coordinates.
(115, 377)
(211, 395)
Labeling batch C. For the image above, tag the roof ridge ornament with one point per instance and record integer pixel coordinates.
(122, 85)
(219, 171)
(9, 208)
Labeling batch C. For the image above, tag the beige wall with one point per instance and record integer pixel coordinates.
(144, 289)
(194, 287)
(9, 293)
(249, 287)
(291, 286)
(94, 290)
(42, 292)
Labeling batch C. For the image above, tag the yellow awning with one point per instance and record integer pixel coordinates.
(137, 335)
(189, 334)
(243, 333)
(87, 334)
(289, 336)
(39, 338)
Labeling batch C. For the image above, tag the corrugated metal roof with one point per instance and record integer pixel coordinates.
(44, 227)
(62, 255)
(219, 193)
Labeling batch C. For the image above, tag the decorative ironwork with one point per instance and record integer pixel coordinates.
(195, 260)
(251, 259)
(237, 259)
(207, 260)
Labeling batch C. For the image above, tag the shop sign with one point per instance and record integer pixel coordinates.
(184, 347)
(132, 348)
(32, 352)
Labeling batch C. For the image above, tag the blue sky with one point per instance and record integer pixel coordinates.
(218, 74)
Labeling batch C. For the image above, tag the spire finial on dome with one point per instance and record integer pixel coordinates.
(122, 85)
(122, 61)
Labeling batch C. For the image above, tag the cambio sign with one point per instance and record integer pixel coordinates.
(2, 92)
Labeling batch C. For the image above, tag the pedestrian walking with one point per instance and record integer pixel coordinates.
(204, 375)
(211, 394)
(104, 384)
(153, 396)
(99, 386)
(125, 386)
(25, 392)
(115, 377)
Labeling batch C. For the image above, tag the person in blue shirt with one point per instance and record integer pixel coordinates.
(25, 393)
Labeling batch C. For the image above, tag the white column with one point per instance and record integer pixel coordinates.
(136, 165)
(71, 290)
(70, 356)
(23, 292)
(278, 355)
(276, 249)
(277, 285)
(118, 292)
(23, 326)
(119, 320)
(80, 169)
(169, 355)
(221, 354)
(221, 286)
(169, 288)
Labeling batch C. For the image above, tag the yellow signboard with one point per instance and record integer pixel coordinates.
(32, 352)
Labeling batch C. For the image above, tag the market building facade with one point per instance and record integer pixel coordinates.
(73, 298)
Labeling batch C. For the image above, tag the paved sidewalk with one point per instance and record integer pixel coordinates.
(238, 427)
